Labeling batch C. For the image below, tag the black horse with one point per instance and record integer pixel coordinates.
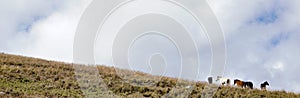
(264, 85)
(248, 84)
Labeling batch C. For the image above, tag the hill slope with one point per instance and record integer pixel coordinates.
(32, 77)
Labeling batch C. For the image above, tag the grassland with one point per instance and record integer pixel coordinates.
(31, 77)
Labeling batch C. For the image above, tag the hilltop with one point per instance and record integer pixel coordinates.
(32, 77)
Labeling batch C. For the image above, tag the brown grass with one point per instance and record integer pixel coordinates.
(31, 77)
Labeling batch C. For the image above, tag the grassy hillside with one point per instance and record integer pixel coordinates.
(31, 77)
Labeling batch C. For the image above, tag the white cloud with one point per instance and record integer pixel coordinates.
(53, 37)
(17, 16)
(40, 28)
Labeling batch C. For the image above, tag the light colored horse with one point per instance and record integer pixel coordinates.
(223, 81)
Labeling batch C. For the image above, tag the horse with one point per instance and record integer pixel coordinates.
(248, 84)
(263, 86)
(223, 81)
(239, 83)
(243, 84)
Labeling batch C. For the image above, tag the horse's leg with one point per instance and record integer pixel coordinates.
(228, 82)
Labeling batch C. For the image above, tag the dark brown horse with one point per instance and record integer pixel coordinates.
(263, 86)
(243, 84)
(248, 84)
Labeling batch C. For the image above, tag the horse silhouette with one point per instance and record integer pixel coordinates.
(248, 84)
(263, 86)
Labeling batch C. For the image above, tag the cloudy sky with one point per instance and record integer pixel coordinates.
(262, 36)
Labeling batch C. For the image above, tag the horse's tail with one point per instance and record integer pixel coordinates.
(228, 81)
(251, 85)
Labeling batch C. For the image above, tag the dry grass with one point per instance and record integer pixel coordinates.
(31, 77)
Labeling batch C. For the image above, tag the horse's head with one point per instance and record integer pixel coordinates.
(267, 83)
(235, 81)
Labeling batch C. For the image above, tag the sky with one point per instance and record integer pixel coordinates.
(262, 36)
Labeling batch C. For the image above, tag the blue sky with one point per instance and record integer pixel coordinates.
(262, 36)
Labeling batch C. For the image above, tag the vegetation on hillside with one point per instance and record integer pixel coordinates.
(32, 77)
